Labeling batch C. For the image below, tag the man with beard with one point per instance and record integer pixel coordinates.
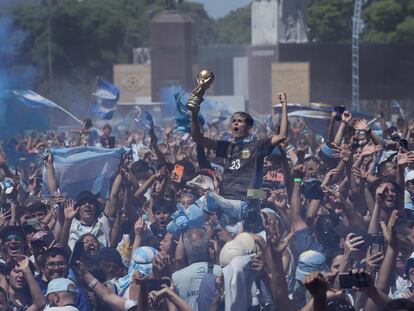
(55, 265)
(388, 197)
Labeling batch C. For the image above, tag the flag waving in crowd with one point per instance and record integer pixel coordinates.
(105, 99)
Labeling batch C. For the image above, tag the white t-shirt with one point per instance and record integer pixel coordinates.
(187, 281)
(100, 229)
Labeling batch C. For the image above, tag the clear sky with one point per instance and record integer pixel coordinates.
(220, 8)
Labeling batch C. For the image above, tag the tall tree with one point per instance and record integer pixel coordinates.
(235, 28)
(89, 36)
(389, 21)
(330, 20)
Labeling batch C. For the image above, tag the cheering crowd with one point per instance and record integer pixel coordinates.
(233, 216)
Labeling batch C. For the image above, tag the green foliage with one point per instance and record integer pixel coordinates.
(89, 36)
(204, 26)
(384, 20)
(235, 28)
(389, 21)
(330, 20)
(405, 30)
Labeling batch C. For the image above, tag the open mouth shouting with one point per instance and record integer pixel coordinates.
(14, 248)
(91, 248)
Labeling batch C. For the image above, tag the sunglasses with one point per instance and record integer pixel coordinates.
(13, 237)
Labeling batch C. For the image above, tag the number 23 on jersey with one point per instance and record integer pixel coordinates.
(235, 164)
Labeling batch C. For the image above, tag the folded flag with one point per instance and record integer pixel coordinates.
(85, 169)
(183, 219)
(105, 99)
(183, 115)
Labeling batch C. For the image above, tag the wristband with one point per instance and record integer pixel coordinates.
(93, 283)
(290, 147)
(298, 180)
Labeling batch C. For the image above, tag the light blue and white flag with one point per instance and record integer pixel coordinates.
(145, 120)
(85, 168)
(32, 99)
(105, 99)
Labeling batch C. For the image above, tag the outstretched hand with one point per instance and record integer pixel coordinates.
(70, 209)
(275, 241)
(282, 98)
(346, 117)
(389, 232)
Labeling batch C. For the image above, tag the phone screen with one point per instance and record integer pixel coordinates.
(155, 284)
(178, 172)
(339, 111)
(349, 280)
(111, 142)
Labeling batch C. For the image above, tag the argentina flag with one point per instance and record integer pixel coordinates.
(105, 99)
(85, 169)
(145, 121)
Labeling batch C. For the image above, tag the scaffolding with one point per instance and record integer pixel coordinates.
(356, 30)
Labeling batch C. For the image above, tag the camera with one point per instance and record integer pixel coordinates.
(252, 222)
(339, 111)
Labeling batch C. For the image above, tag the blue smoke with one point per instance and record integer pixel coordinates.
(13, 74)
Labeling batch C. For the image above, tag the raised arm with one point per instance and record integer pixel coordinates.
(153, 142)
(273, 260)
(70, 213)
(375, 218)
(172, 298)
(35, 292)
(282, 135)
(145, 186)
(331, 127)
(295, 202)
(103, 292)
(346, 117)
(386, 270)
(52, 183)
(111, 205)
(196, 134)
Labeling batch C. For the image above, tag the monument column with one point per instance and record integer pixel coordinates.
(273, 22)
(171, 51)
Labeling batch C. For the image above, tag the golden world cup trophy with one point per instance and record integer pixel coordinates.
(204, 79)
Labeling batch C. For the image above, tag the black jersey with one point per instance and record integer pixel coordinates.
(243, 166)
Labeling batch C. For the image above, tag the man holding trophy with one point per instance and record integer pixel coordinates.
(243, 156)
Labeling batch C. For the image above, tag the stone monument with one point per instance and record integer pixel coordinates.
(279, 21)
(293, 21)
(171, 50)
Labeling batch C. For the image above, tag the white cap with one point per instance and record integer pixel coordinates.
(409, 176)
(61, 285)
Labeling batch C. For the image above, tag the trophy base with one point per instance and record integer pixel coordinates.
(193, 106)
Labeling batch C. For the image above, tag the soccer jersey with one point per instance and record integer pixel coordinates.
(100, 229)
(243, 167)
(187, 281)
